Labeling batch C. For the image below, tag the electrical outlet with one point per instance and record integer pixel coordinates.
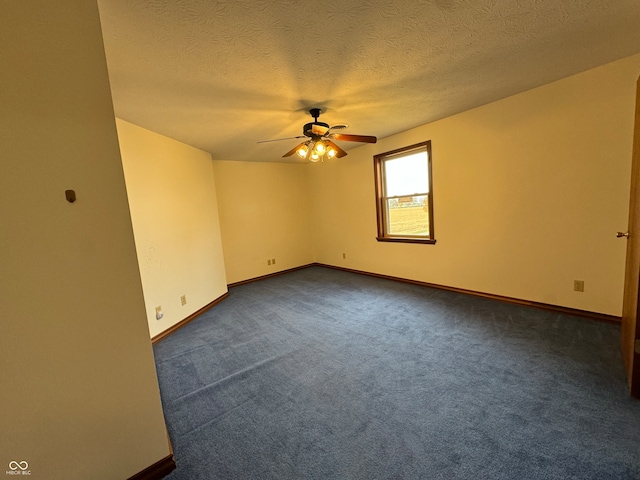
(269, 262)
(273, 261)
(344, 255)
(159, 313)
(183, 299)
(578, 285)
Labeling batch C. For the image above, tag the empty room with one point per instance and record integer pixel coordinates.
(348, 240)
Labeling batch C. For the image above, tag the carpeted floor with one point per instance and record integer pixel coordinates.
(324, 374)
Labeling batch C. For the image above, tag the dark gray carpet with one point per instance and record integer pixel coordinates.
(323, 374)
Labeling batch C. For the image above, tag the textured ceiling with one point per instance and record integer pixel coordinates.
(223, 75)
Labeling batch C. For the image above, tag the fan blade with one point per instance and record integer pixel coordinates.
(346, 137)
(293, 150)
(278, 139)
(341, 153)
(318, 129)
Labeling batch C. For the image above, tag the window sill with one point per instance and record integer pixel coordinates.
(429, 241)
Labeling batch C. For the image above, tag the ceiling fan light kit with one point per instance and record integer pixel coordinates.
(320, 144)
(316, 150)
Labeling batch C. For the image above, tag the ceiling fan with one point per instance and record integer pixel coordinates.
(320, 140)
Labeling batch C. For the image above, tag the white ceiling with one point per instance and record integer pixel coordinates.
(222, 75)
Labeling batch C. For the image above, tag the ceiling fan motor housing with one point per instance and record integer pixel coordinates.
(306, 130)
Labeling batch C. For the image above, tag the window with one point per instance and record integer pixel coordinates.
(404, 194)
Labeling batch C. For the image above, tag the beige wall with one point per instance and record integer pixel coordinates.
(528, 193)
(265, 213)
(78, 388)
(174, 211)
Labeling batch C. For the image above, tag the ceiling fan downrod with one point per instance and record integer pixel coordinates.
(315, 113)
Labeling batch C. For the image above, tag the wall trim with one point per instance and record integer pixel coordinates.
(275, 274)
(601, 317)
(191, 317)
(544, 306)
(158, 470)
(182, 323)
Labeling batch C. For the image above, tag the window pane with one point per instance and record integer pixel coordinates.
(408, 216)
(407, 175)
